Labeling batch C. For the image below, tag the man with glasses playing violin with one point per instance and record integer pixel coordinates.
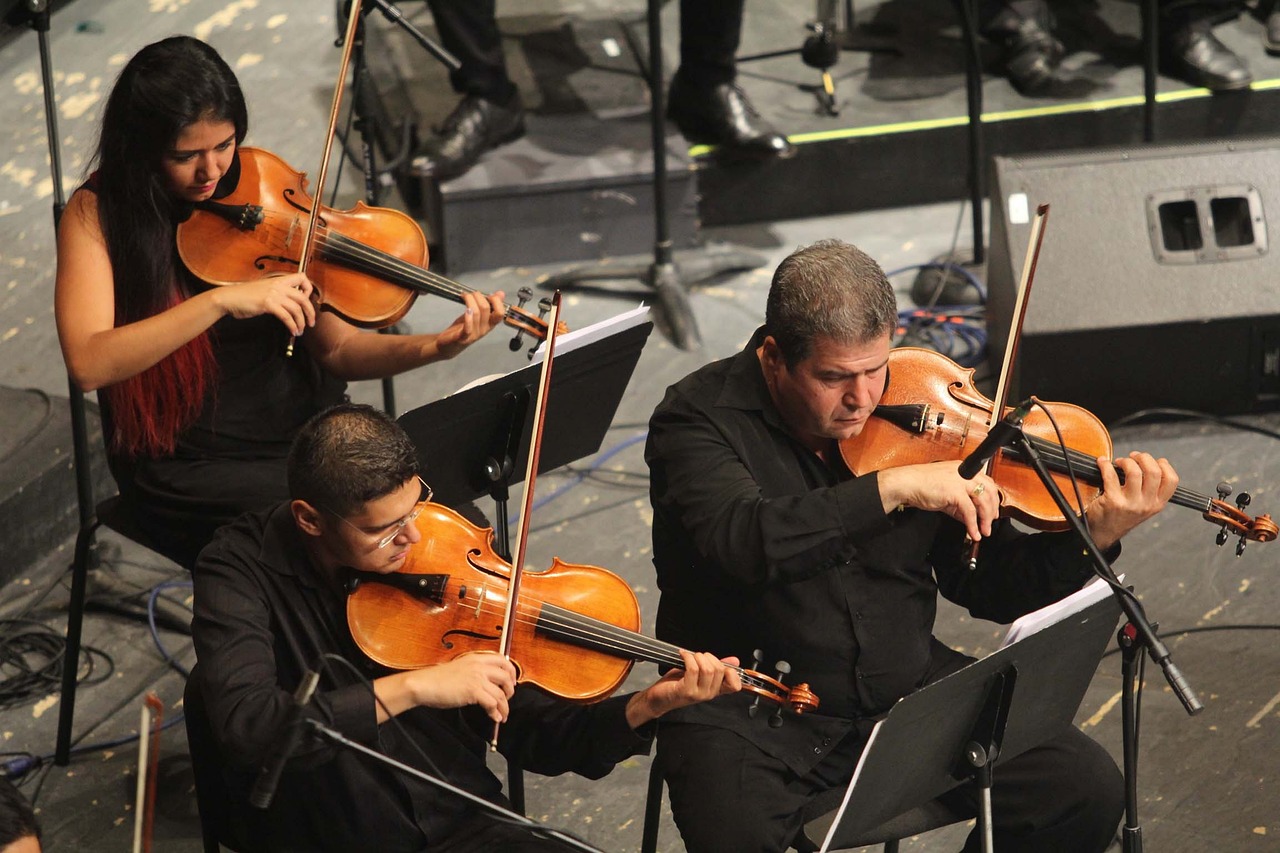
(762, 538)
(270, 604)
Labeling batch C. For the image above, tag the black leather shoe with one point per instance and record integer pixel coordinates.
(721, 115)
(1032, 61)
(1031, 53)
(1271, 35)
(474, 127)
(1192, 53)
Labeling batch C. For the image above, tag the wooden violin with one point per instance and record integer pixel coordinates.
(576, 627)
(368, 264)
(931, 411)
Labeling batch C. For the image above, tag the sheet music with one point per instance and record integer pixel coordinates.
(572, 340)
(1037, 620)
(848, 791)
(569, 341)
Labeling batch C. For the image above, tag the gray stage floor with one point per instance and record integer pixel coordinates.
(1207, 783)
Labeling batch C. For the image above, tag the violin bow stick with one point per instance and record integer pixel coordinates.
(1001, 397)
(530, 473)
(308, 241)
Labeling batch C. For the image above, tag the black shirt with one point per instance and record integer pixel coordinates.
(262, 617)
(761, 544)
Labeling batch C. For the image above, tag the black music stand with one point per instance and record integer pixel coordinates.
(478, 437)
(551, 837)
(970, 722)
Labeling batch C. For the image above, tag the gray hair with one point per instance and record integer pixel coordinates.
(831, 290)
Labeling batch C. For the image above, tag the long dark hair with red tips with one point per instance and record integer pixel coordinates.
(163, 89)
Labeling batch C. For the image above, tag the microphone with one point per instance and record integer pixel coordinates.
(288, 738)
(1001, 435)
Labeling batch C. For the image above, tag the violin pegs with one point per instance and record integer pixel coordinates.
(1240, 546)
(758, 656)
(1224, 490)
(544, 306)
(783, 668)
(523, 295)
(1221, 538)
(517, 341)
(1243, 500)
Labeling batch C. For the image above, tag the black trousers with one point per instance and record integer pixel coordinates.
(709, 34)
(1066, 796)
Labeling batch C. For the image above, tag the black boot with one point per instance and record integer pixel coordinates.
(1192, 53)
(721, 115)
(474, 127)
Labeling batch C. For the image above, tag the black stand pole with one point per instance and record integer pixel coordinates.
(39, 10)
(362, 98)
(666, 278)
(1141, 635)
(983, 748)
(1150, 62)
(513, 818)
(973, 89)
(940, 281)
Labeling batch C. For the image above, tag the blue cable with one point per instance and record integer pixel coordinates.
(579, 476)
(155, 634)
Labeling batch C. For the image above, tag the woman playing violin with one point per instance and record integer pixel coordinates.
(199, 400)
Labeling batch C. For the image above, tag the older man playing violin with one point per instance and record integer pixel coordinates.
(764, 539)
(270, 600)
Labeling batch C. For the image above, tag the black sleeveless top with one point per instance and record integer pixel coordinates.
(231, 460)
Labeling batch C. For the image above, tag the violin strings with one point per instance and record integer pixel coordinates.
(368, 259)
(605, 636)
(1083, 463)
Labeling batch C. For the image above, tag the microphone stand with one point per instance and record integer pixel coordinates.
(500, 813)
(1138, 633)
(39, 21)
(365, 120)
(664, 275)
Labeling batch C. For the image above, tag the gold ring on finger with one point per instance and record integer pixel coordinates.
(979, 489)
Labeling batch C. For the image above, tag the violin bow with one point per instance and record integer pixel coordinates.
(1001, 398)
(530, 474)
(309, 239)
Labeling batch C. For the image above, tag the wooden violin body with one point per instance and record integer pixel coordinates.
(459, 606)
(931, 412)
(574, 635)
(368, 264)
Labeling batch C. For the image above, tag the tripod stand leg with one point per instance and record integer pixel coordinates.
(674, 302)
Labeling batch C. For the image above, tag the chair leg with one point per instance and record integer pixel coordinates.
(891, 846)
(652, 809)
(71, 655)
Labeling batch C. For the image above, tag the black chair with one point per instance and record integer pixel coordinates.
(211, 792)
(817, 818)
(114, 515)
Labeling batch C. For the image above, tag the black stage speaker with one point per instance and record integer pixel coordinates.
(1156, 285)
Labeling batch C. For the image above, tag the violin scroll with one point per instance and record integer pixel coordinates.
(1234, 521)
(798, 698)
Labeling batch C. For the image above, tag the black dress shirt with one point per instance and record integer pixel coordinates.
(761, 544)
(262, 617)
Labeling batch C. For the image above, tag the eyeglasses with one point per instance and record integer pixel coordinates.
(394, 529)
